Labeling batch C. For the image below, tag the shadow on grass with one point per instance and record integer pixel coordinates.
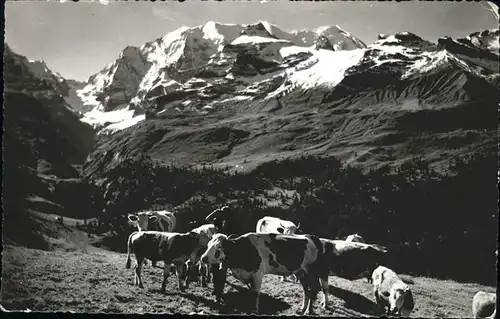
(204, 300)
(243, 301)
(355, 301)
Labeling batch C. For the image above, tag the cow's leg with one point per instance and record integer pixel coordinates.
(166, 273)
(381, 302)
(179, 267)
(305, 299)
(138, 268)
(255, 284)
(324, 286)
(219, 280)
(189, 272)
(312, 282)
(209, 274)
(203, 270)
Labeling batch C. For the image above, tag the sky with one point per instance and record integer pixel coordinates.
(78, 39)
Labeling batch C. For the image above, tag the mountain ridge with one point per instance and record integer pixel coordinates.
(330, 100)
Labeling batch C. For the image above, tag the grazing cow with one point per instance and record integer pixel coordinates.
(391, 293)
(484, 305)
(208, 230)
(253, 255)
(164, 220)
(349, 260)
(171, 248)
(355, 238)
(274, 225)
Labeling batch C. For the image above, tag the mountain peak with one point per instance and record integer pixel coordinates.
(188, 67)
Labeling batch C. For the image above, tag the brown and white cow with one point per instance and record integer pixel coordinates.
(484, 305)
(253, 255)
(171, 248)
(154, 220)
(275, 225)
(391, 293)
(349, 260)
(165, 220)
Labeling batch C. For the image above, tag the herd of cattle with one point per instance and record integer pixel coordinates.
(277, 247)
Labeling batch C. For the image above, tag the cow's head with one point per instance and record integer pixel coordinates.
(206, 235)
(215, 250)
(287, 228)
(397, 297)
(218, 217)
(142, 220)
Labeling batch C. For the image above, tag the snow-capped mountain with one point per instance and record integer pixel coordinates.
(197, 68)
(203, 58)
(261, 90)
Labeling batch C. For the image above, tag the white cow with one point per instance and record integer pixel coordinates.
(484, 305)
(391, 293)
(275, 225)
(164, 220)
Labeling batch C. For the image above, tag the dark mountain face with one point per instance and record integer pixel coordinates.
(37, 112)
(44, 141)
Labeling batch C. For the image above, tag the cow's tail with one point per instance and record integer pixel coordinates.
(129, 248)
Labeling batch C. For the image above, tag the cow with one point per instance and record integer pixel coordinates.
(274, 225)
(349, 260)
(226, 222)
(253, 255)
(171, 248)
(356, 238)
(391, 293)
(484, 305)
(164, 220)
(208, 230)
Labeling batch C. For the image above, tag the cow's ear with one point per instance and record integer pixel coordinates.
(280, 230)
(132, 217)
(153, 218)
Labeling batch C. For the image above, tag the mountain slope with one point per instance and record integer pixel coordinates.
(44, 142)
(241, 95)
